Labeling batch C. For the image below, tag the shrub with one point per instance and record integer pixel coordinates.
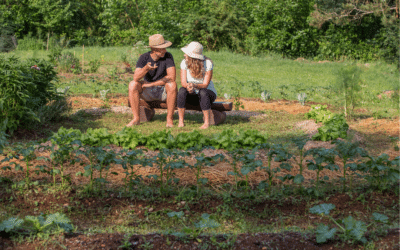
(67, 63)
(24, 87)
(30, 43)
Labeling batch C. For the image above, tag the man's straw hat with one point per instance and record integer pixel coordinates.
(194, 50)
(157, 41)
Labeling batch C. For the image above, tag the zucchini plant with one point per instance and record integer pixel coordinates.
(349, 228)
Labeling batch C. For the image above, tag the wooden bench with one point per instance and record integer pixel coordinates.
(217, 116)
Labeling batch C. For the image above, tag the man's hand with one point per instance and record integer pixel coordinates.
(149, 67)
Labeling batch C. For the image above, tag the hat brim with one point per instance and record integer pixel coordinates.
(166, 44)
(190, 54)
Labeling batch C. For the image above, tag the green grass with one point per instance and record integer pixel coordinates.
(284, 78)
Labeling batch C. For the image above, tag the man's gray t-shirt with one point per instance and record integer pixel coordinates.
(162, 65)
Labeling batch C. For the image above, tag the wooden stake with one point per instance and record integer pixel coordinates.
(83, 56)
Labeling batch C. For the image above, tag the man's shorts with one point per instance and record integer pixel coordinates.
(156, 93)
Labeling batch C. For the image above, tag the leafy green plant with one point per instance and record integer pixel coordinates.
(381, 171)
(68, 63)
(201, 162)
(94, 66)
(302, 97)
(128, 161)
(319, 113)
(278, 153)
(192, 139)
(300, 143)
(39, 225)
(350, 228)
(128, 138)
(265, 95)
(27, 152)
(24, 87)
(168, 160)
(323, 159)
(160, 140)
(334, 128)
(347, 152)
(230, 140)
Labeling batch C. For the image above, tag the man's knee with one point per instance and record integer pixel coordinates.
(171, 87)
(135, 86)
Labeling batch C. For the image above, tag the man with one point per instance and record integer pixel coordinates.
(157, 67)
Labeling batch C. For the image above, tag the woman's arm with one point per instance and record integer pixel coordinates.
(206, 81)
(184, 82)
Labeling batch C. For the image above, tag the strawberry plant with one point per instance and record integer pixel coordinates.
(350, 228)
(347, 152)
(323, 159)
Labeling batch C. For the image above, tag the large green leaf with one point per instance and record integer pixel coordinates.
(10, 224)
(324, 233)
(322, 209)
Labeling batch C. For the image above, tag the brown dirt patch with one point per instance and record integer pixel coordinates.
(382, 126)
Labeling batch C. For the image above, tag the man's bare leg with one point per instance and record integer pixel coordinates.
(206, 114)
(181, 112)
(171, 90)
(134, 89)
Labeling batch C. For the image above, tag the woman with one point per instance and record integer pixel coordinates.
(197, 87)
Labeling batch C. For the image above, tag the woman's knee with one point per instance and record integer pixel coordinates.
(203, 93)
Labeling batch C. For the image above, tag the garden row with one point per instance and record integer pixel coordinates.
(98, 163)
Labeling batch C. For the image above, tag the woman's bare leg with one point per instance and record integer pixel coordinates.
(181, 112)
(206, 114)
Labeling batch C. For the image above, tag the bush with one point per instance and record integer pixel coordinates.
(68, 63)
(30, 43)
(25, 87)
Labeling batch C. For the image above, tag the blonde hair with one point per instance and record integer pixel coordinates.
(196, 66)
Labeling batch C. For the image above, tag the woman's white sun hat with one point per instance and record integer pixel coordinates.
(194, 50)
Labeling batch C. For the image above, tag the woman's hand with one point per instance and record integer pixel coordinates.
(190, 87)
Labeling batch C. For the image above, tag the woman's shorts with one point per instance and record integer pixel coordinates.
(156, 93)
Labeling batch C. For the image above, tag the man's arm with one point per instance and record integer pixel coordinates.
(141, 72)
(170, 77)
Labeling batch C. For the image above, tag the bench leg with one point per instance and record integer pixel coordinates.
(216, 117)
(146, 114)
